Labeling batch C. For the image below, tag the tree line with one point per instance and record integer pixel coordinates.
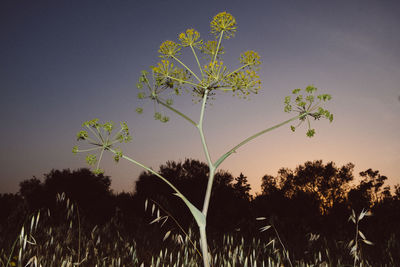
(313, 199)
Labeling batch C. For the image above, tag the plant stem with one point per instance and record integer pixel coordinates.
(204, 246)
(356, 242)
(233, 150)
(150, 170)
(283, 246)
(177, 112)
(187, 68)
(197, 59)
(200, 128)
(183, 81)
(244, 66)
(219, 42)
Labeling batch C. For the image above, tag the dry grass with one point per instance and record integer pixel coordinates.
(42, 242)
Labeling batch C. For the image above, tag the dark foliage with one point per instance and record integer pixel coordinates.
(315, 198)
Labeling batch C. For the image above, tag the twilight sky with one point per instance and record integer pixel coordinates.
(64, 62)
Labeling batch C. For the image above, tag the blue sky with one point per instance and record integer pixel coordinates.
(65, 62)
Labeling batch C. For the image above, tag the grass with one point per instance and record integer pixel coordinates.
(45, 240)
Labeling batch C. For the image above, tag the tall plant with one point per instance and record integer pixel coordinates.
(211, 78)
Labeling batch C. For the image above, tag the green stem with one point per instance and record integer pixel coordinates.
(209, 189)
(200, 128)
(233, 150)
(148, 169)
(187, 68)
(204, 246)
(182, 81)
(244, 66)
(101, 156)
(207, 153)
(219, 42)
(87, 150)
(177, 112)
(197, 59)
(95, 134)
(202, 228)
(79, 235)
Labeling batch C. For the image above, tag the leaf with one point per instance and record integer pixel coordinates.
(264, 228)
(166, 235)
(362, 214)
(156, 220)
(361, 234)
(198, 215)
(165, 220)
(368, 242)
(350, 243)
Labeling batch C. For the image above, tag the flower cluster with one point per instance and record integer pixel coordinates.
(223, 22)
(210, 49)
(306, 106)
(250, 58)
(244, 82)
(190, 38)
(169, 49)
(102, 140)
(213, 76)
(165, 77)
(215, 72)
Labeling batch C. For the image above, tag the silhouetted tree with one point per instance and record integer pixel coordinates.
(327, 182)
(91, 192)
(242, 187)
(32, 192)
(269, 184)
(369, 191)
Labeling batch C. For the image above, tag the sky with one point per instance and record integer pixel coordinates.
(65, 62)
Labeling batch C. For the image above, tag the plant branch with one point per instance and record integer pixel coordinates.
(187, 68)
(233, 150)
(177, 112)
(219, 42)
(197, 60)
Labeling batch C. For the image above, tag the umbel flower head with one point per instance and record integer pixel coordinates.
(223, 22)
(169, 49)
(171, 75)
(101, 140)
(165, 77)
(308, 106)
(190, 38)
(210, 49)
(250, 58)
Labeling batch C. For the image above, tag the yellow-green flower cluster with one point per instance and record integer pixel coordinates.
(210, 48)
(190, 38)
(250, 58)
(215, 71)
(165, 68)
(223, 22)
(168, 75)
(245, 82)
(102, 140)
(169, 49)
(306, 107)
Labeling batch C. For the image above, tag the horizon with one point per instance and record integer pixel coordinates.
(65, 63)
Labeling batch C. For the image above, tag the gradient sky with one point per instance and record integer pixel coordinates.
(64, 62)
